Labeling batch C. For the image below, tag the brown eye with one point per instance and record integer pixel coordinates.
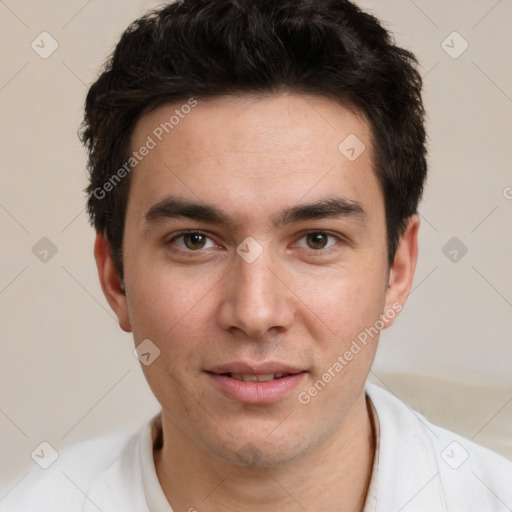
(191, 241)
(317, 240)
(194, 240)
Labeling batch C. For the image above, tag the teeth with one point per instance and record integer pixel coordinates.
(264, 378)
(243, 376)
(253, 378)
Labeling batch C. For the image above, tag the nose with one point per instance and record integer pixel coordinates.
(257, 298)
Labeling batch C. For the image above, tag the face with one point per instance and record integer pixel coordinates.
(254, 259)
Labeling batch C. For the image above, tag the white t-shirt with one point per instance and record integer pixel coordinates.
(418, 467)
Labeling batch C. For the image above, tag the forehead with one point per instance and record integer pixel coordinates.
(253, 154)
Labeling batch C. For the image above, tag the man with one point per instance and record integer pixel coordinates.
(255, 172)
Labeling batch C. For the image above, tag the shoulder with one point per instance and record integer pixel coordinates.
(64, 484)
(455, 471)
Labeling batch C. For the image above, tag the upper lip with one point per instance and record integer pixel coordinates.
(254, 368)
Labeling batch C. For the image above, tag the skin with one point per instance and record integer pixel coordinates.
(300, 302)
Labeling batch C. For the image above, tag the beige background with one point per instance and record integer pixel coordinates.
(67, 370)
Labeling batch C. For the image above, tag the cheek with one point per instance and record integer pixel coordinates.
(342, 304)
(348, 310)
(173, 310)
(166, 301)
(167, 309)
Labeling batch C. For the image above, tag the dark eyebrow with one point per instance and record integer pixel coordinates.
(172, 207)
(328, 207)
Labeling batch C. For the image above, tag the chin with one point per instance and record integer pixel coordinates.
(260, 452)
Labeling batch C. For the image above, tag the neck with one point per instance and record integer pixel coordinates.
(333, 476)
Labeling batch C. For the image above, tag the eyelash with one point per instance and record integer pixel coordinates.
(319, 252)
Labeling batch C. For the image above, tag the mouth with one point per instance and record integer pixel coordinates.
(256, 384)
(249, 377)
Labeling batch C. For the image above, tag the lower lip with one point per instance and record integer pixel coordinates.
(255, 392)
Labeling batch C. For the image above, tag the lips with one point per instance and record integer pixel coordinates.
(256, 383)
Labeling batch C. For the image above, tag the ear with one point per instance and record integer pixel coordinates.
(401, 273)
(110, 281)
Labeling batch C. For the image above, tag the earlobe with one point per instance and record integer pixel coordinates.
(111, 283)
(401, 274)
